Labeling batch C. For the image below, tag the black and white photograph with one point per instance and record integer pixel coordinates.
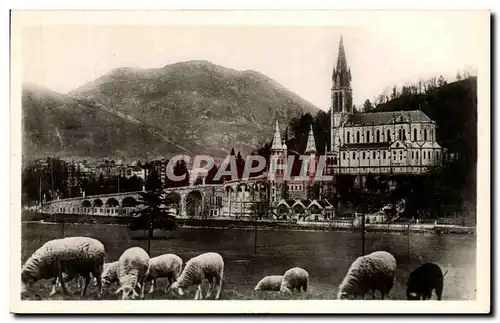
(215, 156)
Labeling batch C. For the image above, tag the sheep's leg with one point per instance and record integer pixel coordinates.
(373, 294)
(198, 293)
(87, 282)
(211, 285)
(63, 283)
(143, 284)
(218, 281)
(153, 285)
(55, 282)
(170, 281)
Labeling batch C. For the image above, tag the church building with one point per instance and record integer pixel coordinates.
(399, 142)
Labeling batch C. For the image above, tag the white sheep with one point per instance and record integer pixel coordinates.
(133, 268)
(74, 256)
(372, 272)
(294, 278)
(271, 283)
(109, 274)
(208, 265)
(168, 266)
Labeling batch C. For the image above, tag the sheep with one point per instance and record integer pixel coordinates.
(422, 280)
(269, 283)
(167, 265)
(109, 274)
(208, 265)
(133, 268)
(71, 255)
(372, 272)
(294, 278)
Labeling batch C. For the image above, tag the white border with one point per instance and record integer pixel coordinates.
(481, 305)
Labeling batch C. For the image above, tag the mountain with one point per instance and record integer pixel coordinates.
(54, 123)
(198, 105)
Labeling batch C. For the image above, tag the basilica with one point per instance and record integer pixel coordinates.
(377, 143)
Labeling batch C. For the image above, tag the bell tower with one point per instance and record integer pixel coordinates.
(341, 97)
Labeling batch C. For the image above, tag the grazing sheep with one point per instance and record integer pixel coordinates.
(133, 267)
(208, 265)
(168, 266)
(109, 274)
(423, 280)
(271, 283)
(294, 278)
(372, 272)
(74, 256)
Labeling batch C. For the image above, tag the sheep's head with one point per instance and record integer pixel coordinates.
(128, 292)
(27, 278)
(105, 282)
(176, 288)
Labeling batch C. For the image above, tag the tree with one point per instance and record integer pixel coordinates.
(153, 212)
(180, 168)
(367, 106)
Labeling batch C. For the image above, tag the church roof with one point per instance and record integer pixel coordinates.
(382, 118)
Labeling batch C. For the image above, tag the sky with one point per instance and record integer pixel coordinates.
(301, 58)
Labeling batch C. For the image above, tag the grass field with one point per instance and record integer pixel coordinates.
(325, 255)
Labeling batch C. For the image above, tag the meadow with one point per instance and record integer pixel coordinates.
(325, 255)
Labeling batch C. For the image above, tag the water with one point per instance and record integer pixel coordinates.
(325, 255)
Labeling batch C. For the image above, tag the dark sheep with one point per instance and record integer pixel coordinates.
(423, 280)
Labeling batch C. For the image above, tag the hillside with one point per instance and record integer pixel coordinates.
(199, 105)
(54, 123)
(454, 108)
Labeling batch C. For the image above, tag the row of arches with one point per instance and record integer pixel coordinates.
(388, 138)
(111, 202)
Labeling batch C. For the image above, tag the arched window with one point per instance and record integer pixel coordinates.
(368, 136)
(388, 135)
(335, 160)
(404, 134)
(432, 135)
(378, 135)
(357, 137)
(416, 154)
(364, 155)
(348, 137)
(415, 134)
(374, 155)
(353, 155)
(425, 134)
(400, 134)
(343, 155)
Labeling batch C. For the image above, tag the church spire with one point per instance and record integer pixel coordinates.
(311, 144)
(342, 73)
(277, 144)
